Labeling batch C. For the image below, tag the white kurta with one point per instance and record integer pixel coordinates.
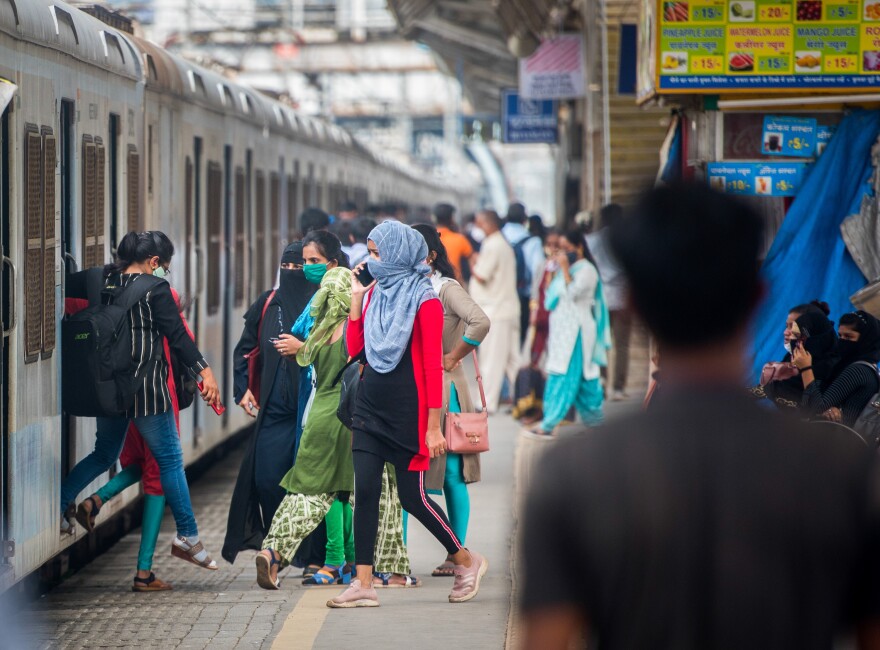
(571, 313)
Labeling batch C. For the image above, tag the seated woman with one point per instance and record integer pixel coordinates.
(853, 381)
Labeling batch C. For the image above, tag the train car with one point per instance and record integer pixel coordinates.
(109, 133)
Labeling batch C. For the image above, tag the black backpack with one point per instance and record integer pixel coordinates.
(867, 425)
(523, 272)
(97, 371)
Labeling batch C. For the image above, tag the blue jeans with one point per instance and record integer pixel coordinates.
(160, 434)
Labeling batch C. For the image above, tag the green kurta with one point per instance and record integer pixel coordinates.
(323, 463)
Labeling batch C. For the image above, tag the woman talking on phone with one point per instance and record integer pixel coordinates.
(397, 323)
(270, 453)
(153, 317)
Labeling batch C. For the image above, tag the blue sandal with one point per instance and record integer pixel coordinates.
(334, 577)
(264, 570)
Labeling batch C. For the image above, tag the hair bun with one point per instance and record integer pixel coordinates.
(822, 306)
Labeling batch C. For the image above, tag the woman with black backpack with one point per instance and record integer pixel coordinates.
(142, 260)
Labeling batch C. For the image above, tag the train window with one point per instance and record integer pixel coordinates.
(188, 217)
(33, 268)
(215, 197)
(150, 160)
(311, 197)
(275, 211)
(134, 185)
(89, 171)
(100, 214)
(49, 324)
(291, 206)
(239, 236)
(260, 250)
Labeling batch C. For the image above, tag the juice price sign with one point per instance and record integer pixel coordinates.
(789, 136)
(711, 46)
(756, 179)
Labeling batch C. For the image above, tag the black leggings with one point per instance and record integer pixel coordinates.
(410, 488)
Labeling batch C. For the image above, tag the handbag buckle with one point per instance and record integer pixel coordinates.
(474, 438)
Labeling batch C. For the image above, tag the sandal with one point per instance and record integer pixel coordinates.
(88, 511)
(264, 569)
(326, 576)
(385, 581)
(445, 570)
(67, 519)
(150, 584)
(311, 570)
(189, 552)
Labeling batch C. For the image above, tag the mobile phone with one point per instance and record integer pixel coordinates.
(364, 276)
(219, 409)
(274, 339)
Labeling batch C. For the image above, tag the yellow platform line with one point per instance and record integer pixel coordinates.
(304, 623)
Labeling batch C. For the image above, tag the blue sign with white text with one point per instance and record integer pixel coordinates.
(528, 120)
(756, 179)
(823, 137)
(789, 136)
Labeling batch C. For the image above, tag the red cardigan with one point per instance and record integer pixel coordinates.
(427, 358)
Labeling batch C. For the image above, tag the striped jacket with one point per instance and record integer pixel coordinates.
(154, 317)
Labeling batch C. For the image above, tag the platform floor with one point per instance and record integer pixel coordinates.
(225, 610)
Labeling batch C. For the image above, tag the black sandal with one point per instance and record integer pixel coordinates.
(264, 570)
(86, 515)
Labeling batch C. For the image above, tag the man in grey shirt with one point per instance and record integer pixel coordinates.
(708, 522)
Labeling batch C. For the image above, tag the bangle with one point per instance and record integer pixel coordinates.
(803, 370)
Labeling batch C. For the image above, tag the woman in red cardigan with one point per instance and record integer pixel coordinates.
(397, 323)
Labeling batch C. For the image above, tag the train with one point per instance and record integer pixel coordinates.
(108, 133)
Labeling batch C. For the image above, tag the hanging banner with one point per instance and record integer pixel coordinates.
(789, 136)
(756, 179)
(712, 46)
(555, 70)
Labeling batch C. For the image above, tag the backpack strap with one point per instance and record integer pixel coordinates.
(139, 287)
(94, 285)
(360, 358)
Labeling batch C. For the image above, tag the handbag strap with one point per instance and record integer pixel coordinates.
(262, 316)
(479, 380)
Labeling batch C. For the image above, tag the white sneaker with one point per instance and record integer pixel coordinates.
(618, 396)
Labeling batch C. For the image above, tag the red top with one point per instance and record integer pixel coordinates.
(427, 360)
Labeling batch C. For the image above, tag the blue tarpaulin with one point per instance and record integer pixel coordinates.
(808, 258)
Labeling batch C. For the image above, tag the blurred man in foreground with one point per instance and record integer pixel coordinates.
(708, 523)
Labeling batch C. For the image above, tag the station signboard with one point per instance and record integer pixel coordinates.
(528, 121)
(728, 46)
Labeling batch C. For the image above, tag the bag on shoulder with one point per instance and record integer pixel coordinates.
(97, 371)
(255, 363)
(523, 272)
(468, 433)
(867, 425)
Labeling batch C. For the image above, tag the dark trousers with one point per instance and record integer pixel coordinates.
(524, 315)
(621, 330)
(411, 490)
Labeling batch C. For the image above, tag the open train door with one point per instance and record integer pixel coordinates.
(7, 301)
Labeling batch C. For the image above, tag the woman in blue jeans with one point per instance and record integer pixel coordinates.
(155, 316)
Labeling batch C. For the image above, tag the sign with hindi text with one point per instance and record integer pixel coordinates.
(555, 70)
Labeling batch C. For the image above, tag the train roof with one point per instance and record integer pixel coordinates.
(59, 26)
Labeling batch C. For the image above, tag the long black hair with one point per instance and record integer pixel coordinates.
(137, 247)
(576, 238)
(329, 245)
(441, 263)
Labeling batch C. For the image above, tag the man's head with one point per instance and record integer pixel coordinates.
(516, 213)
(444, 215)
(313, 219)
(347, 211)
(488, 221)
(691, 258)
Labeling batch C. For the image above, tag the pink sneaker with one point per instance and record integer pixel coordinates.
(355, 596)
(467, 579)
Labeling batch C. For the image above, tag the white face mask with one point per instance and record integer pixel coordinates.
(478, 234)
(787, 346)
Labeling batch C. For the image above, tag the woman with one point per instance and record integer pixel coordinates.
(271, 451)
(853, 381)
(322, 478)
(810, 324)
(154, 317)
(579, 337)
(465, 325)
(397, 322)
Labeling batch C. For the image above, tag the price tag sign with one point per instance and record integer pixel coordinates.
(789, 136)
(823, 136)
(756, 179)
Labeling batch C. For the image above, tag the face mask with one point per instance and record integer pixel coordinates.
(314, 272)
(787, 346)
(478, 234)
(160, 272)
(572, 257)
(847, 349)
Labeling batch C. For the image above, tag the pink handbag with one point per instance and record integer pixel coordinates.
(468, 433)
(777, 371)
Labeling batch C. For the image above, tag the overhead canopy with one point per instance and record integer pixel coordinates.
(479, 39)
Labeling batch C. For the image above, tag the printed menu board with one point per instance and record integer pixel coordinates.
(711, 46)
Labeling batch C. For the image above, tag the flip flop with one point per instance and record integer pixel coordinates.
(335, 576)
(445, 570)
(410, 582)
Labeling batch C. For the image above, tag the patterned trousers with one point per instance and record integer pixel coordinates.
(299, 514)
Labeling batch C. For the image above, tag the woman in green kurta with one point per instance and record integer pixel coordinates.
(320, 483)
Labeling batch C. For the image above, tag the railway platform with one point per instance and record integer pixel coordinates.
(226, 610)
